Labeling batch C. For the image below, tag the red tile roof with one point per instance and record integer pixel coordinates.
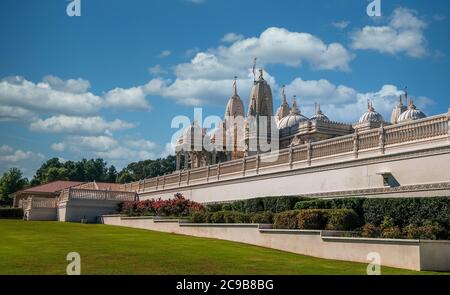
(51, 187)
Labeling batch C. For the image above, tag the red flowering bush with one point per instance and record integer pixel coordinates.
(178, 206)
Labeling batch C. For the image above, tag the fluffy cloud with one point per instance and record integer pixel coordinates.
(403, 34)
(157, 70)
(133, 98)
(27, 161)
(199, 91)
(9, 113)
(232, 37)
(341, 25)
(23, 100)
(41, 97)
(165, 53)
(273, 46)
(72, 85)
(79, 125)
(82, 144)
(343, 103)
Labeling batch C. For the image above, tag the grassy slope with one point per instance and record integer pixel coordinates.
(41, 248)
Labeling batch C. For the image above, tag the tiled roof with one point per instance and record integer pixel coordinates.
(51, 187)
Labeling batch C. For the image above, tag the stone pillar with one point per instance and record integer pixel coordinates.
(355, 143)
(258, 159)
(308, 152)
(381, 138)
(291, 156)
(178, 164)
(186, 160)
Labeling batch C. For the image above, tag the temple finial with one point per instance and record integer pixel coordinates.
(235, 86)
(261, 74)
(283, 95)
(254, 69)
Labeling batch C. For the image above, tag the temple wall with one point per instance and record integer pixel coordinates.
(408, 254)
(337, 177)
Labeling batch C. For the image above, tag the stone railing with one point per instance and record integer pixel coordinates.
(92, 194)
(353, 144)
(33, 202)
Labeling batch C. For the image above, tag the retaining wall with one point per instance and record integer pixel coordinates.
(407, 254)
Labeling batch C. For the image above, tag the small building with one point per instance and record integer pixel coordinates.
(49, 190)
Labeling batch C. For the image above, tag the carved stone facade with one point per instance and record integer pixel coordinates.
(238, 133)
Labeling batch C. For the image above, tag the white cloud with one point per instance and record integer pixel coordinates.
(72, 85)
(5, 149)
(403, 34)
(232, 37)
(132, 98)
(83, 144)
(26, 161)
(165, 53)
(342, 103)
(79, 125)
(157, 70)
(41, 97)
(341, 25)
(273, 46)
(9, 113)
(140, 144)
(200, 91)
(58, 147)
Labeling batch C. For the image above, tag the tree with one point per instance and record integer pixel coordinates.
(111, 175)
(54, 173)
(10, 182)
(124, 176)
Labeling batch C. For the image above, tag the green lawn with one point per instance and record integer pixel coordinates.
(41, 248)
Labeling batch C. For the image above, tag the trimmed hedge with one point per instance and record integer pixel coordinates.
(14, 213)
(356, 204)
(331, 219)
(272, 204)
(402, 211)
(408, 211)
(231, 217)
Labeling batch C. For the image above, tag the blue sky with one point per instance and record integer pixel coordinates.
(108, 83)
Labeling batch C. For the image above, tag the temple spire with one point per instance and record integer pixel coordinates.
(294, 109)
(235, 86)
(283, 95)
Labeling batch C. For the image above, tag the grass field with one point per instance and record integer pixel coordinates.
(41, 248)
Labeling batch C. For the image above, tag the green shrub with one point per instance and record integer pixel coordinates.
(369, 230)
(11, 213)
(429, 231)
(406, 211)
(356, 204)
(265, 217)
(236, 217)
(201, 217)
(342, 219)
(287, 219)
(313, 219)
(218, 217)
(214, 207)
(393, 232)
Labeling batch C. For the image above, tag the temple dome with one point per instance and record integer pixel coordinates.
(261, 101)
(283, 110)
(412, 113)
(398, 110)
(319, 116)
(371, 116)
(293, 119)
(192, 137)
(235, 106)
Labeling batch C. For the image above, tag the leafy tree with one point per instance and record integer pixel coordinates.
(111, 175)
(10, 182)
(124, 176)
